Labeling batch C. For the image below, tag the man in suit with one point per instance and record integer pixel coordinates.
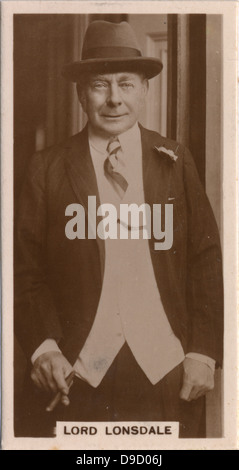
(140, 326)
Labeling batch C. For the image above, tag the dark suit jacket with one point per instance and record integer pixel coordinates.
(58, 281)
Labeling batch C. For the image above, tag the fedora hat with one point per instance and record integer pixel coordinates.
(111, 47)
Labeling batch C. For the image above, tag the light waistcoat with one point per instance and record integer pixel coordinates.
(130, 307)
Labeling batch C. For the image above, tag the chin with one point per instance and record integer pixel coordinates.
(117, 128)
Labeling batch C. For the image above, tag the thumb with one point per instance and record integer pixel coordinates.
(185, 391)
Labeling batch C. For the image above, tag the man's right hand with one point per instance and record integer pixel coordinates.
(49, 372)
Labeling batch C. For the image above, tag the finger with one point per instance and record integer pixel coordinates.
(199, 391)
(39, 380)
(35, 380)
(59, 378)
(44, 382)
(196, 392)
(54, 402)
(65, 400)
(203, 391)
(200, 394)
(45, 376)
(52, 386)
(185, 391)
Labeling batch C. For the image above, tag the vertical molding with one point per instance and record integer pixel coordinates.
(64, 115)
(214, 178)
(50, 111)
(183, 80)
(163, 90)
(78, 117)
(213, 114)
(172, 76)
(62, 87)
(179, 78)
(187, 84)
(58, 30)
(156, 109)
(197, 111)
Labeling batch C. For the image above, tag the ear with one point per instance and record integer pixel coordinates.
(144, 91)
(81, 95)
(145, 85)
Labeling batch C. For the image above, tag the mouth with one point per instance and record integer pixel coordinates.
(113, 116)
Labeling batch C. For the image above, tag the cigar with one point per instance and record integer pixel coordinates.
(57, 398)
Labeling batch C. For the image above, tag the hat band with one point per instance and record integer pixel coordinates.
(110, 52)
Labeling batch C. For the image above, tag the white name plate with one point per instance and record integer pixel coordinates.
(94, 433)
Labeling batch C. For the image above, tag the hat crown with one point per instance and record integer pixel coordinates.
(103, 34)
(111, 48)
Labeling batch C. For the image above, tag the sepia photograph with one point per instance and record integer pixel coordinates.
(119, 272)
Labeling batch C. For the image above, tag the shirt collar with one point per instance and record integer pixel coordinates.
(127, 139)
(99, 143)
(130, 138)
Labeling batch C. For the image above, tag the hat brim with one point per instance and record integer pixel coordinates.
(150, 66)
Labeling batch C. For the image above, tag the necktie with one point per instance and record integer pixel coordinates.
(112, 164)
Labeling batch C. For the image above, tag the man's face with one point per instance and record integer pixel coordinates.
(113, 101)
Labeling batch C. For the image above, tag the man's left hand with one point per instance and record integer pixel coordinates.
(197, 380)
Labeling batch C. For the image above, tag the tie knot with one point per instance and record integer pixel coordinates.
(113, 146)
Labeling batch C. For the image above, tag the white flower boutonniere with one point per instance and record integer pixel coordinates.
(168, 152)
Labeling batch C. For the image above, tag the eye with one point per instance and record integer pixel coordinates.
(99, 85)
(127, 85)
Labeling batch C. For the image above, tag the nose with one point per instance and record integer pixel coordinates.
(114, 97)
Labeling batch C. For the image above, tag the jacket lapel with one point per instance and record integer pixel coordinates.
(157, 180)
(83, 181)
(156, 171)
(80, 168)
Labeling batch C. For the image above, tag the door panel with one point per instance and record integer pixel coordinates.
(151, 32)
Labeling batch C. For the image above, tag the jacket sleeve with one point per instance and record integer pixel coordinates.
(35, 314)
(204, 269)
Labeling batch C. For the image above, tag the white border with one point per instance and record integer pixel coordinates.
(229, 10)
